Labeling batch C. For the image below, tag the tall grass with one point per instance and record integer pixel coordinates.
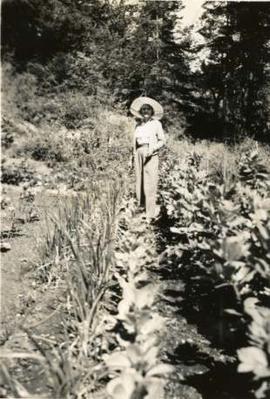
(78, 253)
(83, 238)
(218, 160)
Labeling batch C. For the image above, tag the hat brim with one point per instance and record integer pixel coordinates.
(140, 101)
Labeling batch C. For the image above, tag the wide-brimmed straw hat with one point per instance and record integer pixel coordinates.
(140, 101)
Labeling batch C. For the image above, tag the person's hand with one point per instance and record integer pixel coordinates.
(131, 162)
(149, 154)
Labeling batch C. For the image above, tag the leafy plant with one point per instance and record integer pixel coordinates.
(218, 237)
(138, 371)
(255, 358)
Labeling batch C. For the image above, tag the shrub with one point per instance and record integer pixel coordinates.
(17, 172)
(255, 358)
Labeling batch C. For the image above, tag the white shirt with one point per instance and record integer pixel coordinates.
(150, 133)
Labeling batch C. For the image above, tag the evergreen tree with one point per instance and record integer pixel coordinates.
(237, 36)
(62, 41)
(155, 62)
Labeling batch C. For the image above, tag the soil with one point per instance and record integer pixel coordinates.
(26, 304)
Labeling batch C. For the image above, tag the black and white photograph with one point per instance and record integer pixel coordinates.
(135, 199)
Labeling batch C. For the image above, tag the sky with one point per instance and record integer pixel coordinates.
(190, 16)
(192, 11)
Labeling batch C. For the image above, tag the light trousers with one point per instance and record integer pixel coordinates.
(146, 172)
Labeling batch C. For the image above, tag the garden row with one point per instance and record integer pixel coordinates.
(216, 234)
(96, 254)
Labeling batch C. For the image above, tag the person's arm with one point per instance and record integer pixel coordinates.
(133, 151)
(134, 144)
(160, 139)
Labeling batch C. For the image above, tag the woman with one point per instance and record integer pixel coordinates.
(148, 139)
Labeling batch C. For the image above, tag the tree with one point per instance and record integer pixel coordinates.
(152, 61)
(59, 40)
(235, 76)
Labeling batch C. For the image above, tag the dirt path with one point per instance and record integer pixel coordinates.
(177, 332)
(25, 301)
(15, 266)
(18, 265)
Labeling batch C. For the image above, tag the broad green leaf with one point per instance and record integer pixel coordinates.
(134, 263)
(249, 304)
(117, 390)
(134, 353)
(252, 310)
(130, 323)
(145, 296)
(148, 343)
(228, 205)
(123, 309)
(262, 391)
(155, 388)
(151, 356)
(233, 312)
(176, 230)
(117, 360)
(234, 248)
(253, 360)
(263, 231)
(160, 370)
(124, 386)
(108, 322)
(265, 204)
(242, 274)
(142, 276)
(258, 330)
(123, 343)
(155, 323)
(259, 216)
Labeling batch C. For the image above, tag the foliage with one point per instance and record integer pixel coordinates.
(26, 99)
(17, 172)
(236, 74)
(88, 247)
(219, 232)
(73, 134)
(117, 50)
(80, 238)
(255, 358)
(139, 373)
(253, 172)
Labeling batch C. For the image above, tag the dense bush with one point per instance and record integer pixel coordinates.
(17, 172)
(80, 130)
(26, 97)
